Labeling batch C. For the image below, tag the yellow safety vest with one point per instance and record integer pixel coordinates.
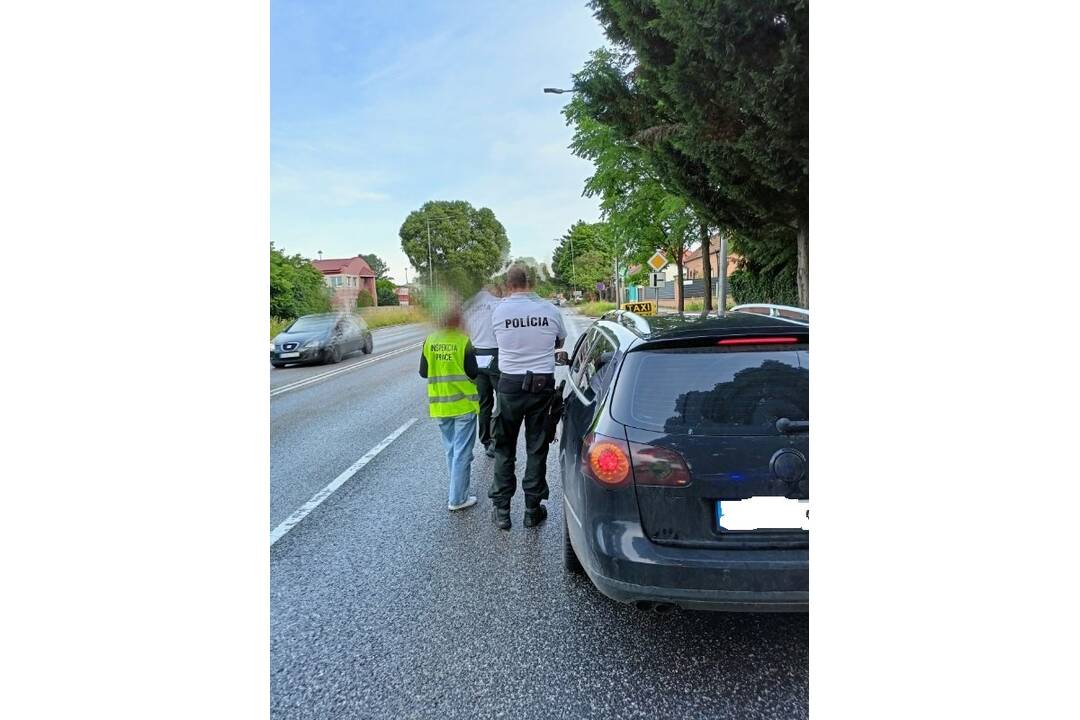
(450, 391)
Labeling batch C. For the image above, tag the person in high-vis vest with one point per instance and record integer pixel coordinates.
(449, 364)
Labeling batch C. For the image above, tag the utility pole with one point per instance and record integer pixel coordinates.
(722, 270)
(431, 268)
(573, 269)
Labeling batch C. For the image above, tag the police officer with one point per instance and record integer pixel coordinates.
(478, 324)
(527, 332)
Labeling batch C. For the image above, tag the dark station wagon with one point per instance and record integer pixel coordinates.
(684, 458)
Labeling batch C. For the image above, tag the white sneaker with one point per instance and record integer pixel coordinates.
(469, 502)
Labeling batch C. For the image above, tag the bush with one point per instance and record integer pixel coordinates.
(387, 292)
(296, 287)
(364, 299)
(778, 288)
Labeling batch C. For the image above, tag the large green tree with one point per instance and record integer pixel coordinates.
(296, 287)
(466, 246)
(717, 92)
(642, 211)
(584, 256)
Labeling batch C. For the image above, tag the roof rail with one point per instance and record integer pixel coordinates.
(782, 312)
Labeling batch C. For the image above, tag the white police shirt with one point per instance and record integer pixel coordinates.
(526, 328)
(478, 319)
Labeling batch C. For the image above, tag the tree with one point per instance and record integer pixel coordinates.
(387, 292)
(467, 246)
(377, 266)
(716, 91)
(643, 213)
(296, 287)
(584, 256)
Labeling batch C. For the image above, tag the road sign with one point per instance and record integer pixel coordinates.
(657, 262)
(656, 279)
(600, 287)
(647, 307)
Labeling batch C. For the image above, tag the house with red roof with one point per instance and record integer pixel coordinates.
(347, 277)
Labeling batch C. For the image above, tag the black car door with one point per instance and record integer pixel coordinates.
(577, 417)
(353, 334)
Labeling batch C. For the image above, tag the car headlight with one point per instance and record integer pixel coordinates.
(311, 344)
(271, 346)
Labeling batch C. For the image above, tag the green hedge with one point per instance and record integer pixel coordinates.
(778, 288)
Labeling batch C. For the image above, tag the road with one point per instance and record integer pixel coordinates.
(384, 605)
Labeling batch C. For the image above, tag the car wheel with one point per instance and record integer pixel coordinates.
(570, 558)
(369, 345)
(334, 356)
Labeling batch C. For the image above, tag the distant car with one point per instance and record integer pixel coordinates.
(684, 459)
(320, 338)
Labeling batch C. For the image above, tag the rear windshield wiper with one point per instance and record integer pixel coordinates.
(788, 426)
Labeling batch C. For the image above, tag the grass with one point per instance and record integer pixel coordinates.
(392, 315)
(595, 309)
(697, 305)
(374, 317)
(277, 325)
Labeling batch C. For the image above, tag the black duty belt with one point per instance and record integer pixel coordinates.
(529, 382)
(482, 352)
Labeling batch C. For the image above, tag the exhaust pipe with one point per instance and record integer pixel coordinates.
(662, 608)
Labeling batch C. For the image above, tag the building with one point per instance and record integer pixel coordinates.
(347, 277)
(694, 266)
(402, 292)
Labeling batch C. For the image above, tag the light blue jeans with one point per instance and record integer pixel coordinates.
(459, 435)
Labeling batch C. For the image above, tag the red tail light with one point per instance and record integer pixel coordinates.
(758, 341)
(606, 460)
(658, 466)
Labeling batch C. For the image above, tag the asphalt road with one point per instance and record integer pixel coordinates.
(384, 605)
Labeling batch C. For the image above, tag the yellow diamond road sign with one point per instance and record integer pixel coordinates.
(657, 262)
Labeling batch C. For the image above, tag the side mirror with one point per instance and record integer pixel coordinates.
(561, 357)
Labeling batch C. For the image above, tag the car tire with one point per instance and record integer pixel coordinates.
(570, 558)
(369, 345)
(334, 355)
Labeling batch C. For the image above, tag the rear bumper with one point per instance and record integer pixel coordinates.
(628, 567)
(704, 599)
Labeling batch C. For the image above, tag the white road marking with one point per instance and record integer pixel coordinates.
(290, 522)
(337, 371)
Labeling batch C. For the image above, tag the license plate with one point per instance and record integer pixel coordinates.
(289, 355)
(763, 513)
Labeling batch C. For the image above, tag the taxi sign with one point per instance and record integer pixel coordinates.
(644, 307)
(657, 262)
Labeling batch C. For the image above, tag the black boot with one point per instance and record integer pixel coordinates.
(535, 516)
(501, 517)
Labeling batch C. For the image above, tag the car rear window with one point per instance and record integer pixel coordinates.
(713, 391)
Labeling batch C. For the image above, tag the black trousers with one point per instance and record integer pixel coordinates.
(486, 381)
(516, 408)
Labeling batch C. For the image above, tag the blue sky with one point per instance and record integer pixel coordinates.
(377, 107)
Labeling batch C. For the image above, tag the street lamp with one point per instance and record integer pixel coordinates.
(556, 91)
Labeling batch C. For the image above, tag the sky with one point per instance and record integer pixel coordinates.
(378, 107)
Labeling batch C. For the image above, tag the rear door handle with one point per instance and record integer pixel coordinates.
(788, 426)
